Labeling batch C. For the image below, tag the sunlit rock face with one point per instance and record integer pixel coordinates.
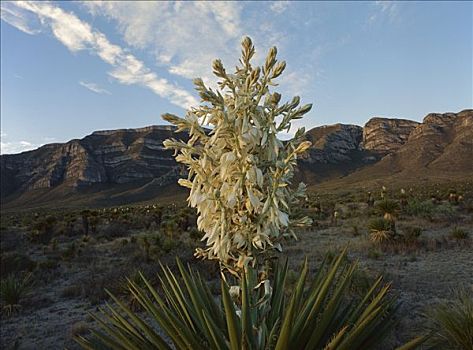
(385, 135)
(441, 143)
(104, 157)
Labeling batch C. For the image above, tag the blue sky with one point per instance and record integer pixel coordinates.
(69, 68)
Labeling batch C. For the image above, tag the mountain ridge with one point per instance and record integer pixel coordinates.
(135, 159)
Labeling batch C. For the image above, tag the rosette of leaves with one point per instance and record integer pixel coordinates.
(254, 316)
(240, 172)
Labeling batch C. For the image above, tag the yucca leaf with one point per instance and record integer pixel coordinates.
(316, 299)
(356, 312)
(414, 343)
(277, 298)
(219, 339)
(336, 339)
(273, 336)
(327, 316)
(285, 332)
(246, 327)
(234, 330)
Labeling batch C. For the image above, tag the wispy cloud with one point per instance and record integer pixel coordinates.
(384, 10)
(279, 6)
(184, 37)
(21, 20)
(94, 88)
(78, 35)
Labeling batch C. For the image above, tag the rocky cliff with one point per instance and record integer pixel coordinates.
(104, 157)
(442, 146)
(136, 157)
(386, 135)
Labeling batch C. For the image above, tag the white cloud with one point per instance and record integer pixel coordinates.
(279, 6)
(17, 18)
(184, 37)
(94, 88)
(17, 147)
(78, 35)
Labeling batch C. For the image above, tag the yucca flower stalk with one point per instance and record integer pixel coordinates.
(240, 172)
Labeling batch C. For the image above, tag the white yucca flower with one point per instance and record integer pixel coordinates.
(239, 171)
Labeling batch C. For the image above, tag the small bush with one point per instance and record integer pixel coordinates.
(374, 254)
(459, 234)
(417, 208)
(15, 262)
(411, 234)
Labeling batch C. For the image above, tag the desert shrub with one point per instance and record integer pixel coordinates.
(13, 262)
(195, 234)
(374, 253)
(71, 291)
(169, 244)
(70, 251)
(459, 233)
(416, 207)
(113, 230)
(48, 264)
(42, 230)
(380, 231)
(467, 206)
(13, 289)
(444, 211)
(451, 323)
(411, 234)
(146, 246)
(355, 230)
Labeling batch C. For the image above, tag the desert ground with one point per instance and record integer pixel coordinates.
(69, 256)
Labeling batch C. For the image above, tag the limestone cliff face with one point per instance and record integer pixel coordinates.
(104, 157)
(385, 135)
(441, 143)
(333, 143)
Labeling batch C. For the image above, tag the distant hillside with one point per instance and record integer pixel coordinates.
(130, 165)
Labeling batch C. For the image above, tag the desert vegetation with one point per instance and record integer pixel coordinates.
(261, 262)
(426, 261)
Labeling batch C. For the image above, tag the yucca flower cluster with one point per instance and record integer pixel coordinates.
(240, 172)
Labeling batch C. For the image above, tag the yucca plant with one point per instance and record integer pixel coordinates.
(380, 231)
(452, 323)
(389, 209)
(240, 176)
(13, 289)
(254, 316)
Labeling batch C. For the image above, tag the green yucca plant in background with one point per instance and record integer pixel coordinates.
(380, 231)
(255, 316)
(452, 323)
(389, 209)
(13, 289)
